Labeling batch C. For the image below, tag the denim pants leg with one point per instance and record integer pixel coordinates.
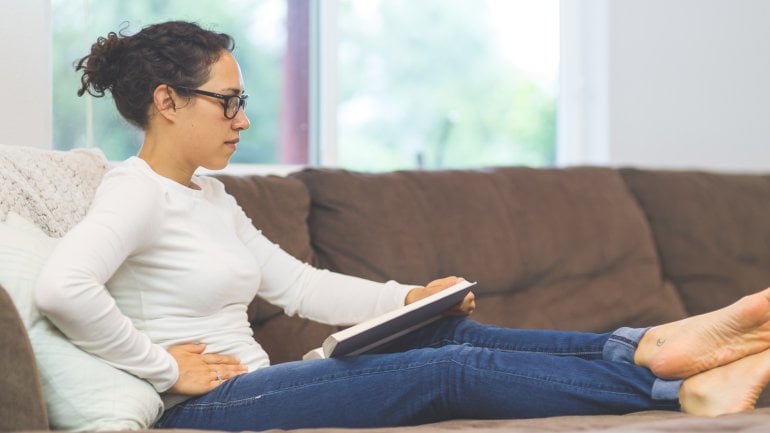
(461, 330)
(541, 373)
(618, 346)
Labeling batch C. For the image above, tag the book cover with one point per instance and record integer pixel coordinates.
(382, 329)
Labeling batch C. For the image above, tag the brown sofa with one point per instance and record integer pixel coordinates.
(576, 248)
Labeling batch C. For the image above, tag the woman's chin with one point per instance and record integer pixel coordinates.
(217, 165)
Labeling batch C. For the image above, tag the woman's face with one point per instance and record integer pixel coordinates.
(209, 138)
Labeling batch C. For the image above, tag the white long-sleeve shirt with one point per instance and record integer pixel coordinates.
(155, 264)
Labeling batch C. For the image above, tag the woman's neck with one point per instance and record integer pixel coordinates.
(166, 164)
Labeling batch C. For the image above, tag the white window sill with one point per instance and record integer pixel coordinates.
(254, 169)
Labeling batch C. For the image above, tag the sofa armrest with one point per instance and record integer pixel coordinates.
(21, 401)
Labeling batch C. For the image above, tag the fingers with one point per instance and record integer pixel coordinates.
(431, 288)
(200, 373)
(442, 283)
(215, 358)
(469, 303)
(190, 347)
(228, 370)
(466, 307)
(221, 373)
(436, 286)
(223, 367)
(208, 358)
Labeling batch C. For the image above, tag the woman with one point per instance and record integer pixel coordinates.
(182, 262)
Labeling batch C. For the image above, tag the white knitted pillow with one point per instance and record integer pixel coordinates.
(51, 188)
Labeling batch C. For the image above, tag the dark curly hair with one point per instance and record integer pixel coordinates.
(131, 67)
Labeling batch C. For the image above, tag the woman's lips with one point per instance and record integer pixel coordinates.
(233, 144)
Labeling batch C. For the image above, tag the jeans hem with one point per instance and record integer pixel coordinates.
(621, 344)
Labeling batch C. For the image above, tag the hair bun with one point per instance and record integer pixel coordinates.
(131, 67)
(102, 65)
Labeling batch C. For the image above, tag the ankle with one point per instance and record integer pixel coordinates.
(648, 354)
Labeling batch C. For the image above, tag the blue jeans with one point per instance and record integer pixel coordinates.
(454, 368)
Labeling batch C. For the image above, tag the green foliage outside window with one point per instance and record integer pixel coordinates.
(426, 86)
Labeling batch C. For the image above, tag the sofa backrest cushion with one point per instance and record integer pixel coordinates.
(278, 206)
(549, 248)
(712, 231)
(22, 405)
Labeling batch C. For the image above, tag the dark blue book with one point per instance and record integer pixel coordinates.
(379, 330)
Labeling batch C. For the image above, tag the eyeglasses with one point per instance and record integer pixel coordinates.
(231, 103)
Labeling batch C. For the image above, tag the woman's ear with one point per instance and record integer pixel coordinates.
(163, 101)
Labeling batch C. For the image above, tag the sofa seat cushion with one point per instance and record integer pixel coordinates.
(549, 248)
(712, 231)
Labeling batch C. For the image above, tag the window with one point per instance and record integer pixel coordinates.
(401, 84)
(447, 83)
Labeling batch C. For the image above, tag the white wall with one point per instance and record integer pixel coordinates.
(25, 72)
(689, 84)
(583, 126)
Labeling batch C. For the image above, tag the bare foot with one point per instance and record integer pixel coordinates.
(680, 349)
(732, 388)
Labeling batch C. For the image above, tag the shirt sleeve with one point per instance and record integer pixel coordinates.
(71, 290)
(316, 294)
